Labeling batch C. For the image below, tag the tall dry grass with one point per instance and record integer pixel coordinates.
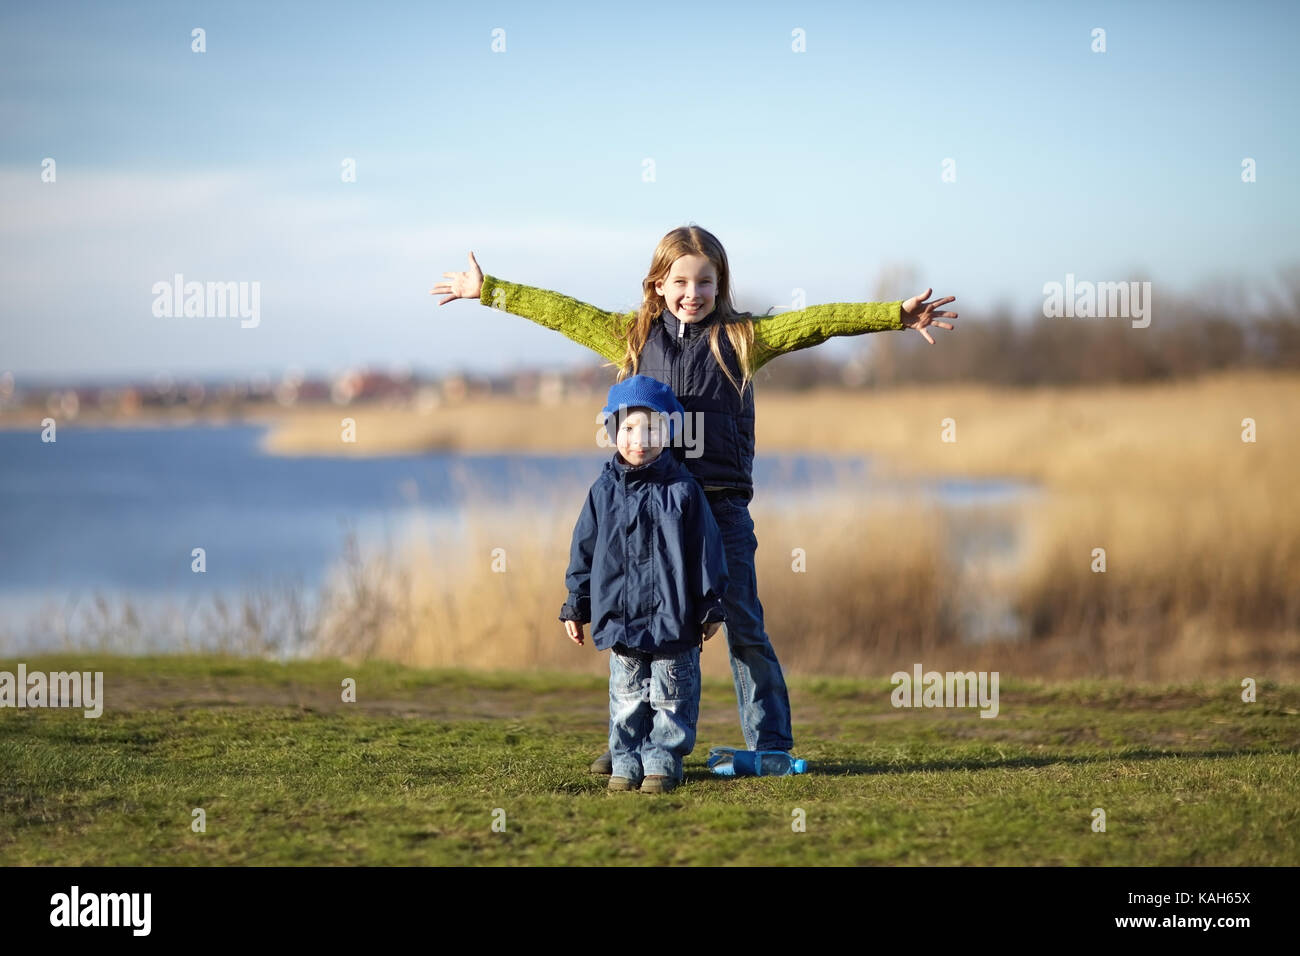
(440, 600)
(1201, 534)
(879, 592)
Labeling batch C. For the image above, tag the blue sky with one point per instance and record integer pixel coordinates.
(817, 170)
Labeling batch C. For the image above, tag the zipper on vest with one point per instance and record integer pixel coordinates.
(673, 382)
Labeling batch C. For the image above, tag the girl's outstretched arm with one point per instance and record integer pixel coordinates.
(605, 333)
(790, 331)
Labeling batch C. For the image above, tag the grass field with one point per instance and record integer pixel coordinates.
(412, 773)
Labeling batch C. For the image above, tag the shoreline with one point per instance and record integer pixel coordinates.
(1081, 437)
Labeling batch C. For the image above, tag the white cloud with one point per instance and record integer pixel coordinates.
(251, 212)
(341, 276)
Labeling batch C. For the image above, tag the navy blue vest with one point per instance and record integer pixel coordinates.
(678, 354)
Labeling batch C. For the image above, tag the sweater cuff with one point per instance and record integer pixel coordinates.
(490, 285)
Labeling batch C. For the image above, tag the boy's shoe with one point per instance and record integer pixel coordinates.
(604, 764)
(621, 783)
(658, 783)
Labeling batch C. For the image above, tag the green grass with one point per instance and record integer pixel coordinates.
(412, 772)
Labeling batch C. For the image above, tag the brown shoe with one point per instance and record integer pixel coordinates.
(604, 764)
(658, 783)
(621, 783)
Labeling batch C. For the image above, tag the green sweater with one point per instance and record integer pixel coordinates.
(605, 333)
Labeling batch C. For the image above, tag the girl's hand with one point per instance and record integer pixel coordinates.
(917, 313)
(711, 628)
(574, 630)
(463, 285)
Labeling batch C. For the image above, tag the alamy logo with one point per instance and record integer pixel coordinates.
(208, 300)
(56, 689)
(950, 689)
(666, 430)
(102, 909)
(1088, 300)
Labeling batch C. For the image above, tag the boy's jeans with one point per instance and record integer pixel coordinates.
(761, 694)
(654, 703)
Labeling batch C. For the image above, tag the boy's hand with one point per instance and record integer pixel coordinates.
(574, 629)
(463, 285)
(711, 628)
(917, 313)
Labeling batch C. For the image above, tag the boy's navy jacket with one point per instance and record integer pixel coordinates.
(647, 567)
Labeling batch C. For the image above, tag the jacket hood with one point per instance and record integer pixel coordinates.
(658, 470)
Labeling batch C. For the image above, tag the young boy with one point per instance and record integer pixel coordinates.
(647, 569)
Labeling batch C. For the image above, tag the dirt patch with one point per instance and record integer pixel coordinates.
(449, 703)
(455, 703)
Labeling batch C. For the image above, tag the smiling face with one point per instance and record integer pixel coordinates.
(640, 436)
(690, 288)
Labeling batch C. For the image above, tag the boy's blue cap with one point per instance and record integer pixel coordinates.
(640, 391)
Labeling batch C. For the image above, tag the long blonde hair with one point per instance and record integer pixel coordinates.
(738, 326)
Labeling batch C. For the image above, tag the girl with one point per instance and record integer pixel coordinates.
(688, 335)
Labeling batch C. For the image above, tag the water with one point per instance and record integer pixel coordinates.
(119, 511)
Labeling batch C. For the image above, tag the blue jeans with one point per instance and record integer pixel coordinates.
(761, 694)
(654, 704)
